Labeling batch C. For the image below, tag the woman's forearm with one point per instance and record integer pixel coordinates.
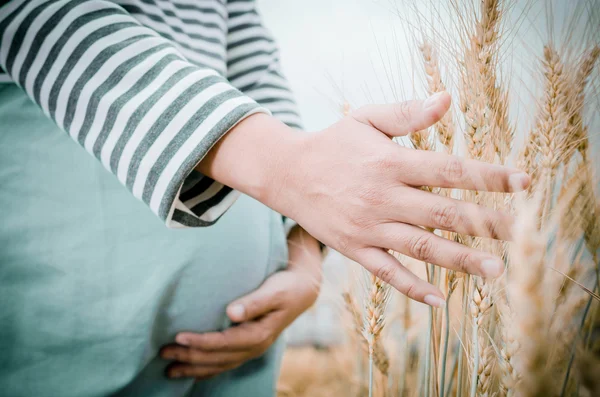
(254, 158)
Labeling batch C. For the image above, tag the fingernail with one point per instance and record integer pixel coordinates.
(167, 355)
(435, 301)
(432, 100)
(237, 311)
(492, 267)
(518, 181)
(182, 340)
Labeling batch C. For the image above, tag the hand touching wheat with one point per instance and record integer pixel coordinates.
(354, 189)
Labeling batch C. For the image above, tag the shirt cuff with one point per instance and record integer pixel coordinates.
(192, 199)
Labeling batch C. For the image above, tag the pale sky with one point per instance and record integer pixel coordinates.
(358, 50)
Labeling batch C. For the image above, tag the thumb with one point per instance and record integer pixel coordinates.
(403, 118)
(255, 304)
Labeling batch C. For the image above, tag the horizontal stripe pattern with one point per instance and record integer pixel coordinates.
(148, 87)
(253, 62)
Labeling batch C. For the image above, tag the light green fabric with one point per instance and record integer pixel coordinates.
(92, 284)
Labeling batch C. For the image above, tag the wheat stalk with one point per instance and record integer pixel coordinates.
(445, 127)
(509, 377)
(527, 160)
(374, 319)
(581, 208)
(485, 44)
(576, 130)
(481, 302)
(452, 280)
(486, 362)
(551, 122)
(518, 335)
(531, 308)
(487, 134)
(482, 100)
(375, 305)
(380, 356)
(421, 140)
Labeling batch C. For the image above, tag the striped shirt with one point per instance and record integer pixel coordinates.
(148, 87)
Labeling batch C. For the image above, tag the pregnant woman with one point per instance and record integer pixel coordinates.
(147, 151)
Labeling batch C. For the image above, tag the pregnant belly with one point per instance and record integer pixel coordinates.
(92, 284)
(94, 315)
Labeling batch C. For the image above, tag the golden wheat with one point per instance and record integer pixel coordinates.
(531, 333)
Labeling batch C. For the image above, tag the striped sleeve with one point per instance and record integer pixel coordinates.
(129, 97)
(253, 66)
(253, 62)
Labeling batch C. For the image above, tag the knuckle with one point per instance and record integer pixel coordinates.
(492, 226)
(279, 295)
(453, 170)
(220, 342)
(344, 242)
(184, 355)
(403, 111)
(410, 290)
(372, 197)
(463, 261)
(252, 306)
(362, 114)
(386, 161)
(421, 247)
(262, 337)
(387, 273)
(444, 216)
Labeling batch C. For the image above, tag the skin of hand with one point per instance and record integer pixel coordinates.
(261, 316)
(360, 193)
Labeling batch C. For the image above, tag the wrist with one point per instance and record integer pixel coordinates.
(304, 253)
(255, 157)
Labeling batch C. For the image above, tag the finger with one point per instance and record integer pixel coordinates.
(443, 170)
(389, 269)
(266, 298)
(175, 371)
(445, 213)
(403, 118)
(241, 337)
(189, 355)
(427, 247)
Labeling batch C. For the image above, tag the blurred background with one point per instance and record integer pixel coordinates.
(355, 52)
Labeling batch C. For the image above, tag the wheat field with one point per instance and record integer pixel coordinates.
(535, 331)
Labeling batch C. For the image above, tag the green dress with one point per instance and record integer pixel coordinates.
(92, 284)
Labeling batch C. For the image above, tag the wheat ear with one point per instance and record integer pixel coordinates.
(380, 356)
(479, 99)
(576, 130)
(509, 377)
(551, 122)
(374, 319)
(445, 127)
(532, 310)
